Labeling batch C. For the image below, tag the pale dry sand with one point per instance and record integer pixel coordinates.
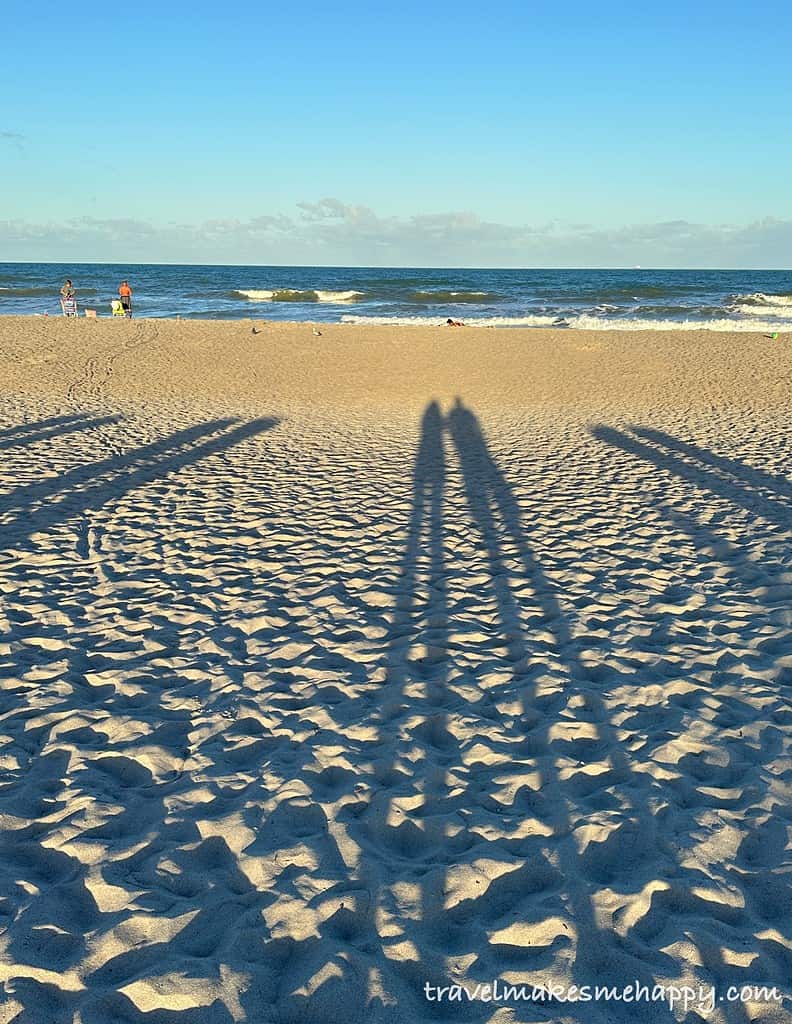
(336, 665)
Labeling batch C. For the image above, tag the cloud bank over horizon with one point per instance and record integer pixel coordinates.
(331, 232)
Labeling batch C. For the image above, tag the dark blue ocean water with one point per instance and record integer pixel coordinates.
(669, 299)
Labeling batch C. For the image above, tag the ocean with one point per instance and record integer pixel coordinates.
(637, 299)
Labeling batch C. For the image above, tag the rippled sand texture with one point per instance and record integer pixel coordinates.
(336, 665)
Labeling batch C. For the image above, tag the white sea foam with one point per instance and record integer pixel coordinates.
(763, 299)
(255, 294)
(441, 296)
(429, 321)
(781, 312)
(595, 323)
(584, 322)
(761, 304)
(296, 295)
(339, 296)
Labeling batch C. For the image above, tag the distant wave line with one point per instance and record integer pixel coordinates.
(296, 295)
(448, 297)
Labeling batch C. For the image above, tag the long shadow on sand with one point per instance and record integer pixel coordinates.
(441, 875)
(603, 769)
(47, 430)
(34, 507)
(64, 421)
(48, 908)
(747, 693)
(741, 471)
(401, 830)
(755, 490)
(432, 821)
(415, 752)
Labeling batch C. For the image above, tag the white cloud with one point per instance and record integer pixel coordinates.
(329, 231)
(15, 139)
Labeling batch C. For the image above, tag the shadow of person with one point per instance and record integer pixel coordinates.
(757, 492)
(401, 830)
(49, 429)
(31, 508)
(603, 770)
(416, 746)
(752, 476)
(50, 909)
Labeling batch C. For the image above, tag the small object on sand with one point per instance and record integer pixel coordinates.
(774, 335)
(317, 333)
(255, 330)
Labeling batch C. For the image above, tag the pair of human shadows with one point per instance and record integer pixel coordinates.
(49, 502)
(754, 764)
(420, 818)
(752, 476)
(745, 486)
(40, 506)
(31, 509)
(51, 428)
(63, 421)
(35, 507)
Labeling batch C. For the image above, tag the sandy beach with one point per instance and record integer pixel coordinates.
(335, 666)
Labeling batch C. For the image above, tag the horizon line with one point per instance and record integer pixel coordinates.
(388, 266)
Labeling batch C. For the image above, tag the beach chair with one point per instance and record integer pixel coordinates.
(69, 306)
(117, 308)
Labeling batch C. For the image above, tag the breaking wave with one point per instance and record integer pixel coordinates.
(583, 322)
(762, 299)
(760, 304)
(295, 295)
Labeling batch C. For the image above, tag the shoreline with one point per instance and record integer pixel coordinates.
(257, 361)
(376, 323)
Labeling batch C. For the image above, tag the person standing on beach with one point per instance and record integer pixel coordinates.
(125, 294)
(68, 299)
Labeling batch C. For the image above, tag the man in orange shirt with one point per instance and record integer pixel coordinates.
(125, 294)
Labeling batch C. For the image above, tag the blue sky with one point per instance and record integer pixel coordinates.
(509, 134)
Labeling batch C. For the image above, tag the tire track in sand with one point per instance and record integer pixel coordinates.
(90, 385)
(94, 378)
